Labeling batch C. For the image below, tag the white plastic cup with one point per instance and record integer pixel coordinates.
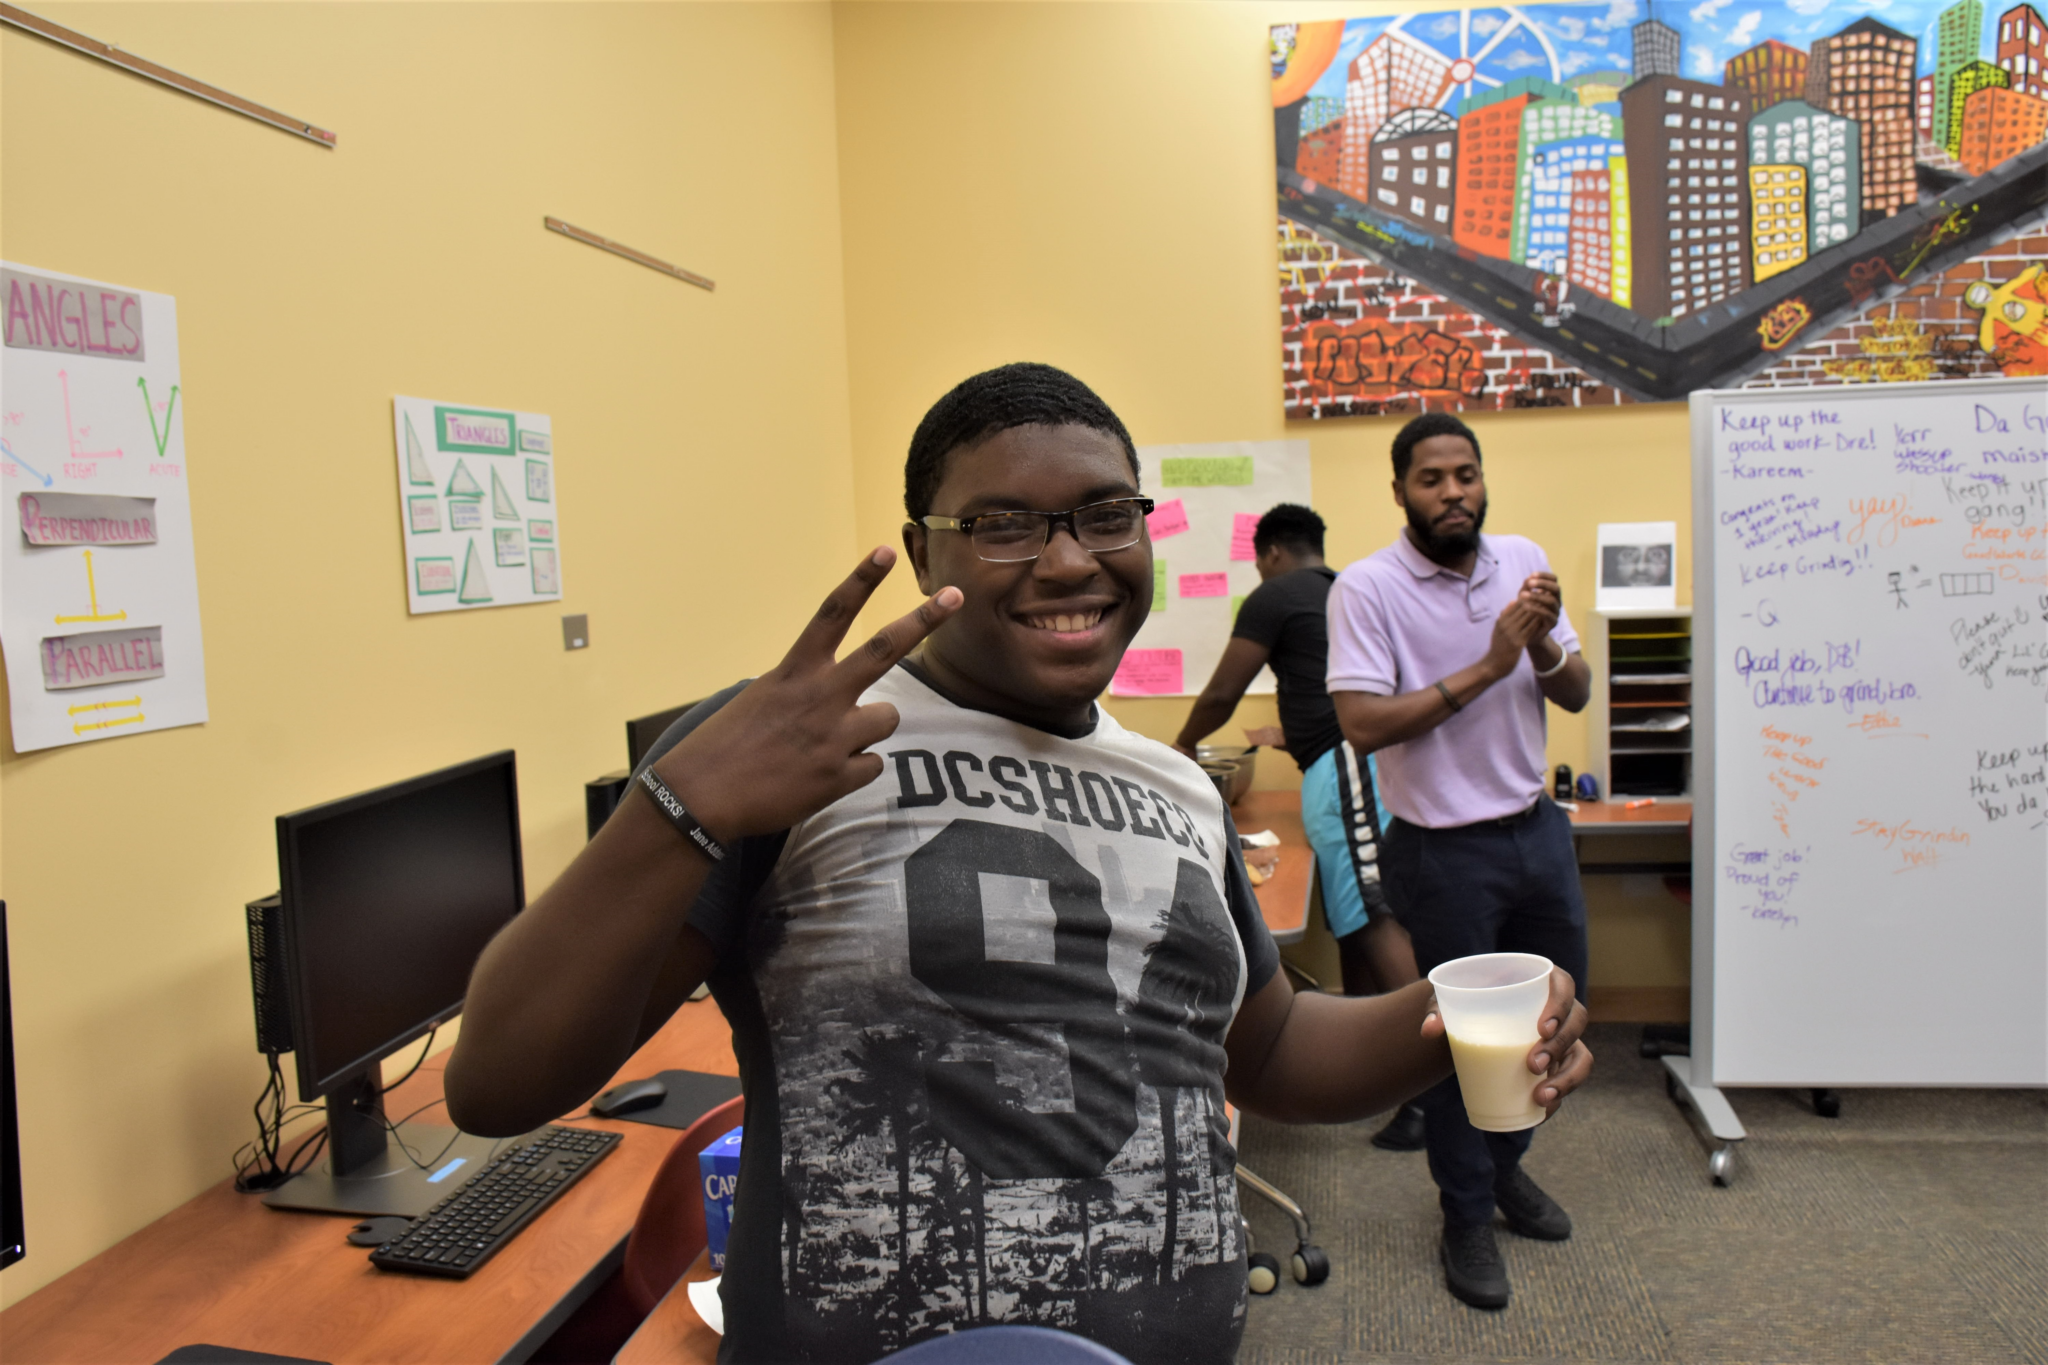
(1491, 1006)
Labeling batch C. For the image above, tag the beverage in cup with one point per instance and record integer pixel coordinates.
(1491, 1005)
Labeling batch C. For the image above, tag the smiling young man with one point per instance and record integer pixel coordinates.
(1444, 648)
(984, 981)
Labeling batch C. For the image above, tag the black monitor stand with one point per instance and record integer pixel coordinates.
(367, 1171)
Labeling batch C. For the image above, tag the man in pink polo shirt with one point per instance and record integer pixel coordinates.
(1444, 647)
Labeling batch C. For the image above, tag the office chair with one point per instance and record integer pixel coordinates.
(1007, 1345)
(1310, 1264)
(668, 1233)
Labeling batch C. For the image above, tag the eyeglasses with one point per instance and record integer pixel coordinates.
(1015, 537)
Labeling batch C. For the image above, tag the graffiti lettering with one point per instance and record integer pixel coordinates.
(1783, 323)
(1382, 358)
(1865, 278)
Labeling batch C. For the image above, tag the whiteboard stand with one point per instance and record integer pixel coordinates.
(1713, 1118)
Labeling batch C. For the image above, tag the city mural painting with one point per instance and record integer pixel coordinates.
(1578, 205)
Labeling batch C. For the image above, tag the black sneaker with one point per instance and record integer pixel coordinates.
(1403, 1132)
(1528, 1210)
(1473, 1269)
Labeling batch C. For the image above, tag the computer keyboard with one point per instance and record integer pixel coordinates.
(466, 1229)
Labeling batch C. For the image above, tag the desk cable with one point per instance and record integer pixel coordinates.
(260, 1164)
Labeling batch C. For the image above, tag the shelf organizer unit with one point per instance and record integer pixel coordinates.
(1642, 731)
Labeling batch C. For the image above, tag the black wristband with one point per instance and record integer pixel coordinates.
(1448, 698)
(671, 805)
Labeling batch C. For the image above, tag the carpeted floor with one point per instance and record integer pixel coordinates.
(1914, 1228)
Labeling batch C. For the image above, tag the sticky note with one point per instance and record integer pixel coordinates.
(1148, 673)
(1206, 471)
(1236, 605)
(1159, 585)
(1167, 519)
(1205, 585)
(1242, 528)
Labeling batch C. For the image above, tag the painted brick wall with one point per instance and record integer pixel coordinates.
(1928, 332)
(1358, 339)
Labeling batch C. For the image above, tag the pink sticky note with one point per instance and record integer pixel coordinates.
(1241, 536)
(1169, 519)
(1148, 673)
(1205, 585)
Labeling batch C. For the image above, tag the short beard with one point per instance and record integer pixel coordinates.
(1446, 549)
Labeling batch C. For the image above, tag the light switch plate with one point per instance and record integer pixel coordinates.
(576, 631)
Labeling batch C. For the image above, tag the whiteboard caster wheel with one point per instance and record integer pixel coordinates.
(1827, 1103)
(1671, 1089)
(1310, 1265)
(1721, 1166)
(1262, 1273)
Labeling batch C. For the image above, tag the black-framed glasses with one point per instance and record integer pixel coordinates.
(1014, 537)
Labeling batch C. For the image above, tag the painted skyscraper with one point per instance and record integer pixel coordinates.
(1828, 152)
(1393, 73)
(1688, 174)
(1489, 145)
(1769, 72)
(1656, 49)
(1865, 73)
(1973, 77)
(2022, 45)
(1955, 46)
(1559, 139)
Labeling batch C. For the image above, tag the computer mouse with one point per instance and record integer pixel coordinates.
(375, 1232)
(629, 1098)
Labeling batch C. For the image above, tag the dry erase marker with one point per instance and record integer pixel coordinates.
(1637, 805)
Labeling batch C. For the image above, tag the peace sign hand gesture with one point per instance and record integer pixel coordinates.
(795, 739)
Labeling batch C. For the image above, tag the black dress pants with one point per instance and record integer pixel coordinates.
(1499, 886)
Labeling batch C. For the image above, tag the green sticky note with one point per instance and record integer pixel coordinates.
(1159, 585)
(1206, 471)
(1235, 603)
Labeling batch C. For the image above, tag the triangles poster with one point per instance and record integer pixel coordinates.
(463, 484)
(474, 481)
(416, 468)
(502, 506)
(475, 586)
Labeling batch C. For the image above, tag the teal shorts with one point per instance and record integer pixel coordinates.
(1341, 812)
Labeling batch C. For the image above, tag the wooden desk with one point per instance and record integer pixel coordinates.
(1614, 817)
(224, 1270)
(1283, 900)
(1605, 821)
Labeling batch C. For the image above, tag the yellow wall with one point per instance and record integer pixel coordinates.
(1092, 186)
(702, 443)
(891, 196)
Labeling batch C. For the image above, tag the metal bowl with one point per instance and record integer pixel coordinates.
(1242, 762)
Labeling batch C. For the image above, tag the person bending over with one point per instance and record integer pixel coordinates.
(1444, 647)
(1282, 623)
(988, 957)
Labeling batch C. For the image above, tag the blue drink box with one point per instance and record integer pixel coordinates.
(719, 1167)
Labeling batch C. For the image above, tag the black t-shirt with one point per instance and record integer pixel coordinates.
(979, 1008)
(1285, 614)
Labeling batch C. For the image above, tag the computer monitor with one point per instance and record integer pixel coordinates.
(13, 1244)
(642, 733)
(386, 899)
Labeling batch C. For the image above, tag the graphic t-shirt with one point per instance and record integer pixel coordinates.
(1285, 614)
(979, 1008)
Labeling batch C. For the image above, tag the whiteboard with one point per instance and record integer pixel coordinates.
(1871, 648)
(1208, 498)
